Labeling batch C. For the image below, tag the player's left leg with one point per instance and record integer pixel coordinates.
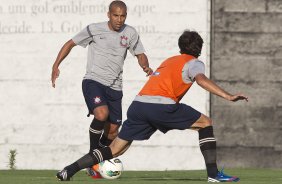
(109, 134)
(118, 147)
(114, 101)
(135, 130)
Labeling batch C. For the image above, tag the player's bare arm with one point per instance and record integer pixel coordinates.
(65, 50)
(143, 62)
(210, 86)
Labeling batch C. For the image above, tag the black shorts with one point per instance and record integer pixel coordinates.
(143, 119)
(96, 94)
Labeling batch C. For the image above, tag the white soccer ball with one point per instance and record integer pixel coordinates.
(111, 169)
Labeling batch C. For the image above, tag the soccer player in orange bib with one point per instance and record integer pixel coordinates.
(158, 107)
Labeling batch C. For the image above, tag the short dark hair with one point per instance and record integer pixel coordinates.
(117, 3)
(190, 42)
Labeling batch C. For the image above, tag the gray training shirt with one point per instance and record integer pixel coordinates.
(107, 51)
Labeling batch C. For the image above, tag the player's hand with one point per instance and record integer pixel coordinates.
(147, 70)
(55, 74)
(237, 97)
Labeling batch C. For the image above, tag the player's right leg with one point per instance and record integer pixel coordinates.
(95, 131)
(95, 97)
(109, 133)
(97, 126)
(208, 148)
(207, 144)
(108, 112)
(96, 100)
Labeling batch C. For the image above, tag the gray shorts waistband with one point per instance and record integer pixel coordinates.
(154, 99)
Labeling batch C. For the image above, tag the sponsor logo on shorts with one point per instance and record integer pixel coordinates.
(119, 120)
(97, 100)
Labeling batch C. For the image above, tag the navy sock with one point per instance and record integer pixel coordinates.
(88, 160)
(95, 131)
(81, 163)
(99, 155)
(104, 141)
(208, 149)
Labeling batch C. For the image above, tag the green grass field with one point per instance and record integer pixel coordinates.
(248, 176)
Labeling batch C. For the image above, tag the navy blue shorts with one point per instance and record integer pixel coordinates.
(96, 94)
(143, 119)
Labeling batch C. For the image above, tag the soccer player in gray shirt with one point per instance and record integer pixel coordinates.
(107, 43)
(157, 107)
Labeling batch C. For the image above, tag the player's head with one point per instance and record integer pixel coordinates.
(190, 42)
(117, 15)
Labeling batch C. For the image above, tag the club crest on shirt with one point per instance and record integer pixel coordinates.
(156, 73)
(97, 100)
(123, 41)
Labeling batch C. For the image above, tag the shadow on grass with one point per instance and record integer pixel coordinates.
(163, 178)
(173, 179)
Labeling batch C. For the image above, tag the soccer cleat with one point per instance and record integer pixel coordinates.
(221, 177)
(63, 175)
(93, 174)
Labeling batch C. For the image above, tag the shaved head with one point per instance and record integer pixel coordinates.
(117, 3)
(117, 15)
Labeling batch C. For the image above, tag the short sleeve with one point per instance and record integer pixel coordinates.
(83, 38)
(195, 67)
(136, 46)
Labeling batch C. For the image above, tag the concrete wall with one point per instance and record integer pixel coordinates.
(247, 57)
(48, 127)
